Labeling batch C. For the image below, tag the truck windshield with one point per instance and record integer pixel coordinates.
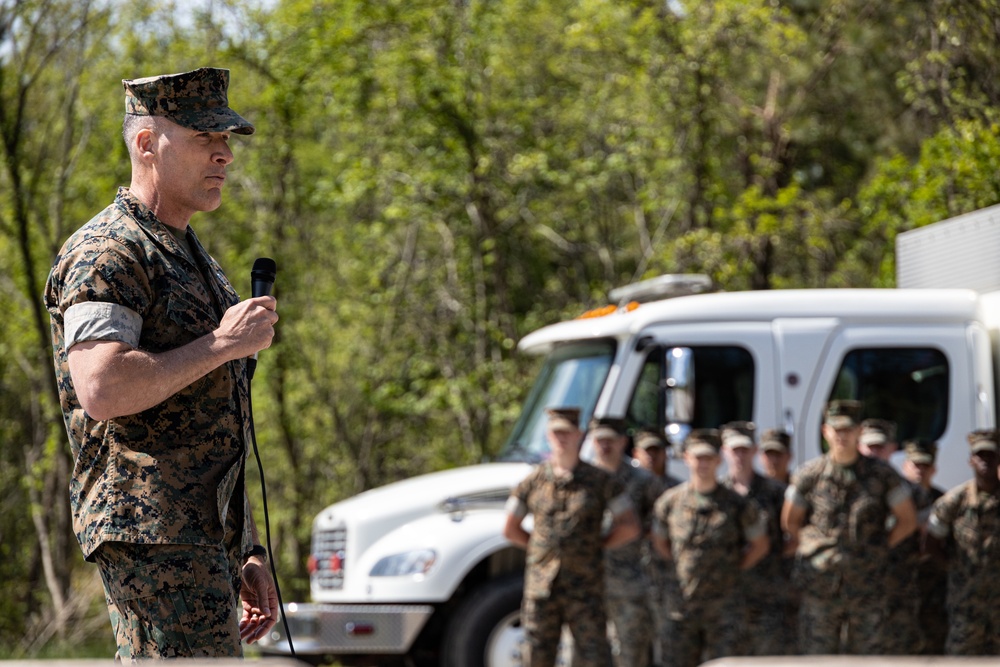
(573, 375)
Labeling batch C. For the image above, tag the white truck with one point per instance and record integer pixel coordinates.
(417, 572)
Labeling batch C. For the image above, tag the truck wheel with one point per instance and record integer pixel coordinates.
(485, 630)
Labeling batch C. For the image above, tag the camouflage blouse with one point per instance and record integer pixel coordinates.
(708, 533)
(968, 522)
(172, 473)
(626, 567)
(847, 509)
(566, 541)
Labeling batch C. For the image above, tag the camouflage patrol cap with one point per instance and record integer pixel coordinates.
(197, 100)
(606, 427)
(920, 450)
(877, 432)
(843, 414)
(563, 419)
(702, 442)
(737, 434)
(648, 437)
(984, 440)
(775, 440)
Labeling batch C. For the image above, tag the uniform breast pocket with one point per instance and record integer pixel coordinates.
(191, 313)
(826, 511)
(582, 504)
(542, 504)
(868, 521)
(966, 531)
(722, 530)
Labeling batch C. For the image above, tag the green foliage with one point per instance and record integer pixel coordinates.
(957, 172)
(436, 179)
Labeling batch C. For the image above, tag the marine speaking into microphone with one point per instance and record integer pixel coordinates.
(146, 346)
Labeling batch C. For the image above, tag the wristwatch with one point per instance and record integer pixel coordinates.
(258, 550)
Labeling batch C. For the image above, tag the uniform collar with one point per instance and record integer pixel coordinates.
(159, 229)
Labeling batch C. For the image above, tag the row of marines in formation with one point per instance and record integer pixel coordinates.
(844, 556)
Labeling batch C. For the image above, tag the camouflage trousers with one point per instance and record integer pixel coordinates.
(931, 611)
(841, 624)
(170, 601)
(658, 603)
(769, 628)
(631, 630)
(696, 635)
(973, 627)
(903, 609)
(584, 615)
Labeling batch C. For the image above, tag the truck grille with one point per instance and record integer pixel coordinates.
(329, 553)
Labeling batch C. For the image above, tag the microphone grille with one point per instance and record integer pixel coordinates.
(265, 265)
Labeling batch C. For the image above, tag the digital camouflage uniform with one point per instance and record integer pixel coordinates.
(657, 568)
(764, 589)
(627, 583)
(932, 587)
(843, 552)
(564, 567)
(902, 589)
(708, 534)
(157, 497)
(968, 522)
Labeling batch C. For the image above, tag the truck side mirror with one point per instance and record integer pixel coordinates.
(679, 385)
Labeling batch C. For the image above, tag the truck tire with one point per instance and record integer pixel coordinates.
(485, 630)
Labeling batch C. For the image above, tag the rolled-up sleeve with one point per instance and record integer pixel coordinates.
(98, 320)
(620, 504)
(897, 495)
(937, 527)
(793, 496)
(516, 507)
(755, 523)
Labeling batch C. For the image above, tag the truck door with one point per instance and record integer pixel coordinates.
(921, 377)
(734, 370)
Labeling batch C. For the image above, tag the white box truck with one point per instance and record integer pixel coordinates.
(417, 572)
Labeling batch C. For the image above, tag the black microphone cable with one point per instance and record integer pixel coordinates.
(262, 282)
(267, 521)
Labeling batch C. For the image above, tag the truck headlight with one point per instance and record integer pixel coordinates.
(408, 562)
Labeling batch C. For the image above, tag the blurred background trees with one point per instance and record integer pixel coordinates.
(437, 178)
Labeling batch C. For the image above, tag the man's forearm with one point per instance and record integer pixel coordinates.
(113, 380)
(906, 522)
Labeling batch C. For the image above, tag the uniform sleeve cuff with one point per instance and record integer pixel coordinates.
(516, 507)
(98, 320)
(793, 496)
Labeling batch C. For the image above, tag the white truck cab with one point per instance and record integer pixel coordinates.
(418, 570)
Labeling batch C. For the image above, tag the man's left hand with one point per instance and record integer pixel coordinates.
(260, 600)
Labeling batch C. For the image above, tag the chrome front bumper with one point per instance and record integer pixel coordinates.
(348, 628)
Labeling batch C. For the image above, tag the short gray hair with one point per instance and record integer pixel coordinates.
(130, 128)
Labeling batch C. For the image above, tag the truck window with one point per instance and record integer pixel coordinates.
(907, 385)
(723, 389)
(573, 375)
(645, 407)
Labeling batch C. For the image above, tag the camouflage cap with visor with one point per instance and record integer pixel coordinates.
(877, 432)
(197, 100)
(843, 414)
(775, 440)
(607, 427)
(648, 437)
(737, 434)
(563, 419)
(920, 450)
(703, 442)
(984, 440)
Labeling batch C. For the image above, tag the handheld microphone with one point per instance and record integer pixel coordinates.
(261, 284)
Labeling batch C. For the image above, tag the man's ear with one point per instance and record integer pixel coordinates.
(145, 143)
